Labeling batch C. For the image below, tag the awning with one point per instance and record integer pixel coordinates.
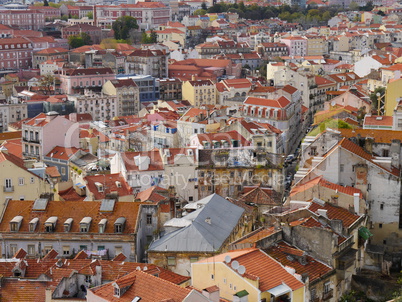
(279, 290)
(365, 233)
(80, 185)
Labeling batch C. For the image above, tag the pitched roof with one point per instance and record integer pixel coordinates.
(141, 284)
(111, 183)
(288, 256)
(62, 153)
(17, 290)
(210, 226)
(259, 196)
(76, 210)
(334, 212)
(269, 272)
(281, 102)
(320, 181)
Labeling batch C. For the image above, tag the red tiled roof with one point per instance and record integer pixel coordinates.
(228, 136)
(375, 120)
(320, 181)
(335, 213)
(146, 286)
(270, 272)
(62, 153)
(151, 194)
(281, 102)
(17, 290)
(110, 183)
(76, 210)
(313, 268)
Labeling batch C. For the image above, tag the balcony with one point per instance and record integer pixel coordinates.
(328, 295)
(31, 140)
(8, 188)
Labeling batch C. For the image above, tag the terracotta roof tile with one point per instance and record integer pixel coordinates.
(335, 213)
(146, 286)
(76, 210)
(313, 268)
(21, 291)
(257, 263)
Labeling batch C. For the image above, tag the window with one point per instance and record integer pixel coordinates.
(8, 183)
(47, 248)
(31, 249)
(382, 206)
(83, 248)
(327, 287)
(13, 249)
(21, 181)
(341, 167)
(190, 198)
(66, 250)
(149, 219)
(380, 225)
(63, 170)
(119, 225)
(118, 250)
(313, 294)
(212, 276)
(171, 261)
(101, 247)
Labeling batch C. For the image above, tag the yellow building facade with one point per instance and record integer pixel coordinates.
(199, 92)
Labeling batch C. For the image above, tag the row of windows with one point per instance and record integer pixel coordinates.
(8, 182)
(66, 249)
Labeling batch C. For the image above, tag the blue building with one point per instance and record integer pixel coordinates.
(148, 85)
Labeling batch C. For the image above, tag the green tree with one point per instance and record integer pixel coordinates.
(45, 3)
(75, 41)
(79, 40)
(353, 6)
(204, 6)
(123, 26)
(90, 15)
(46, 83)
(199, 12)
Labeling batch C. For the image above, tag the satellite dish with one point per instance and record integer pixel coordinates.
(228, 259)
(241, 269)
(145, 268)
(138, 268)
(235, 264)
(333, 103)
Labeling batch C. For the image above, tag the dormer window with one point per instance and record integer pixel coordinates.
(102, 225)
(99, 186)
(119, 225)
(15, 223)
(32, 224)
(85, 224)
(67, 225)
(50, 224)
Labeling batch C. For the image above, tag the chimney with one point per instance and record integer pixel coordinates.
(322, 213)
(208, 220)
(94, 16)
(192, 77)
(356, 202)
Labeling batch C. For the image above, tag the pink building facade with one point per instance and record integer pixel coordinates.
(74, 81)
(297, 46)
(23, 19)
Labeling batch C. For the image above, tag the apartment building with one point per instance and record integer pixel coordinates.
(77, 80)
(127, 94)
(15, 53)
(23, 19)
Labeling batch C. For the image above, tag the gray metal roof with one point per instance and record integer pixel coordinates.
(211, 226)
